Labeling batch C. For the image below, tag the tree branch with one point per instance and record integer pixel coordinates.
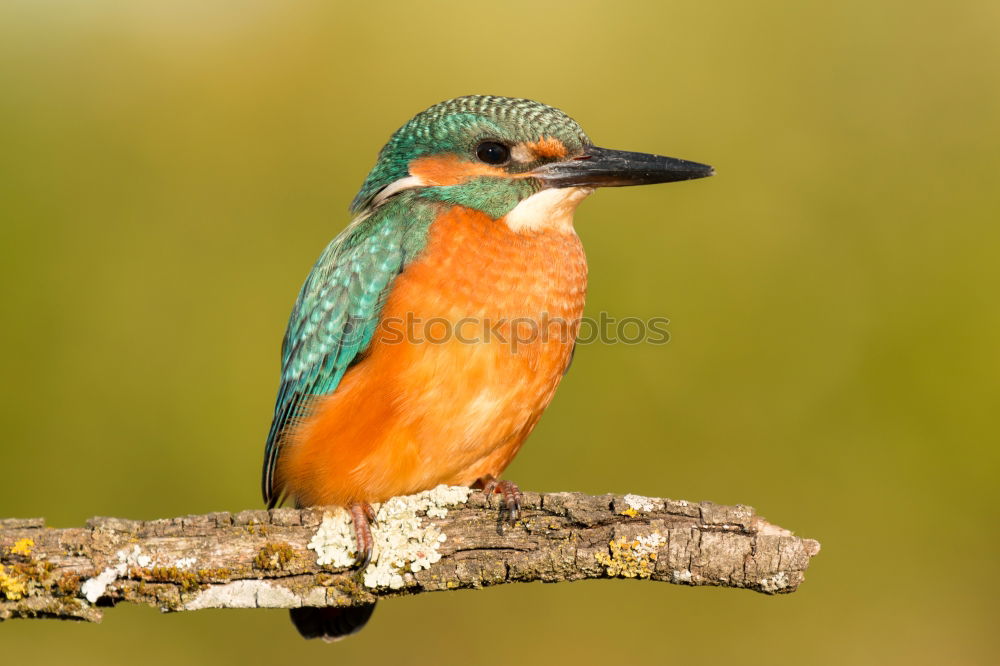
(438, 540)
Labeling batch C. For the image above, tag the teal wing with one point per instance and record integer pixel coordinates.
(333, 321)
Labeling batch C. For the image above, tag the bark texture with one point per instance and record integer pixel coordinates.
(270, 559)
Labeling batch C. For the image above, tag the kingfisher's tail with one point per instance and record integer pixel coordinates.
(331, 624)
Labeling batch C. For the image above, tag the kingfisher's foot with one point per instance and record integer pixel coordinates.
(511, 508)
(363, 515)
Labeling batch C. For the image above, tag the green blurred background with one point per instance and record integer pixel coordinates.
(169, 172)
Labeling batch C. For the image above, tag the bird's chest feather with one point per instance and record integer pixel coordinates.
(485, 324)
(477, 268)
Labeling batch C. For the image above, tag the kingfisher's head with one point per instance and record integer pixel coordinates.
(493, 153)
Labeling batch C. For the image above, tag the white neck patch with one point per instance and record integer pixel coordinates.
(548, 210)
(396, 186)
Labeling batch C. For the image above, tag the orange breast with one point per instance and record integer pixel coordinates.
(474, 338)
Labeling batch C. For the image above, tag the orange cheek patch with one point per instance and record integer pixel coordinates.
(450, 170)
(548, 147)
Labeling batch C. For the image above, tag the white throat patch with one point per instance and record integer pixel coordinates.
(548, 210)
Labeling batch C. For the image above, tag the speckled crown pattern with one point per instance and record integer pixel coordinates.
(540, 119)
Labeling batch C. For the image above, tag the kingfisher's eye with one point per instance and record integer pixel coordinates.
(492, 152)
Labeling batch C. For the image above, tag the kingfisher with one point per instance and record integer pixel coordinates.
(433, 331)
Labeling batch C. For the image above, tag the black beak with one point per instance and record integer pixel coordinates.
(601, 167)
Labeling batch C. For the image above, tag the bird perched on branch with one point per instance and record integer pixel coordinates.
(433, 331)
